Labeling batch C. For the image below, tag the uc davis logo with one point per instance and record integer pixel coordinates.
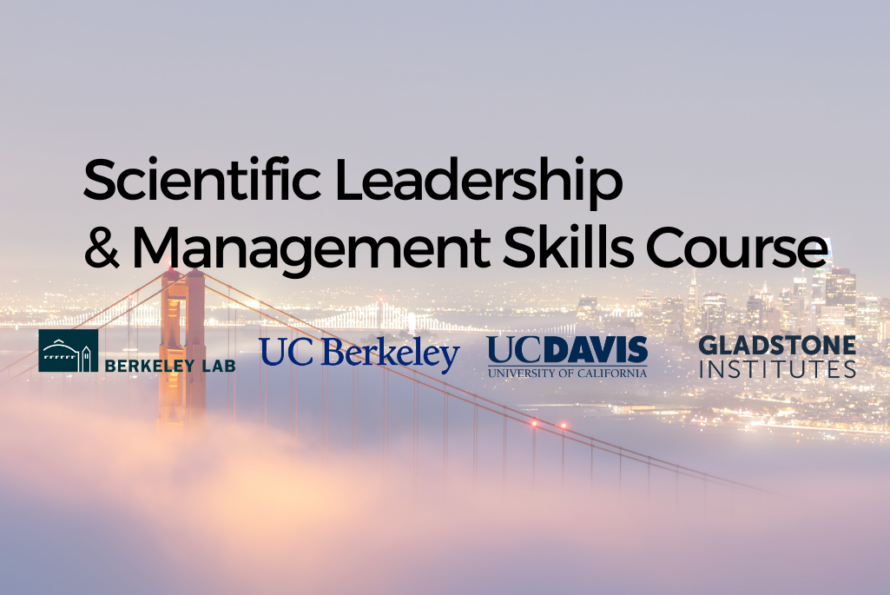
(68, 350)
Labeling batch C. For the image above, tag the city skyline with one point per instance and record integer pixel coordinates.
(816, 294)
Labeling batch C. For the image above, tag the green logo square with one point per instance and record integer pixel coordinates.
(67, 350)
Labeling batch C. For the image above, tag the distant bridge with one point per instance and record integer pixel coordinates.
(378, 316)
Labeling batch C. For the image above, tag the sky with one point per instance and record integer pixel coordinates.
(752, 119)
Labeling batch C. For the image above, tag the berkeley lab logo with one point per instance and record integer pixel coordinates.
(66, 350)
(531, 356)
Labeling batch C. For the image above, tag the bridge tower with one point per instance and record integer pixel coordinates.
(182, 395)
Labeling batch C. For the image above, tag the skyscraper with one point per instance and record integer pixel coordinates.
(820, 275)
(672, 316)
(754, 311)
(792, 307)
(884, 333)
(771, 321)
(649, 320)
(840, 290)
(868, 317)
(713, 312)
(800, 289)
(692, 306)
(766, 297)
(832, 320)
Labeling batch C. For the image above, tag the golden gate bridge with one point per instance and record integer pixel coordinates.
(182, 396)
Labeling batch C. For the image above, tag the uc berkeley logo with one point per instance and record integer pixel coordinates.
(68, 350)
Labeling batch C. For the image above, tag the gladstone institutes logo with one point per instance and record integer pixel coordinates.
(777, 356)
(67, 350)
(531, 356)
